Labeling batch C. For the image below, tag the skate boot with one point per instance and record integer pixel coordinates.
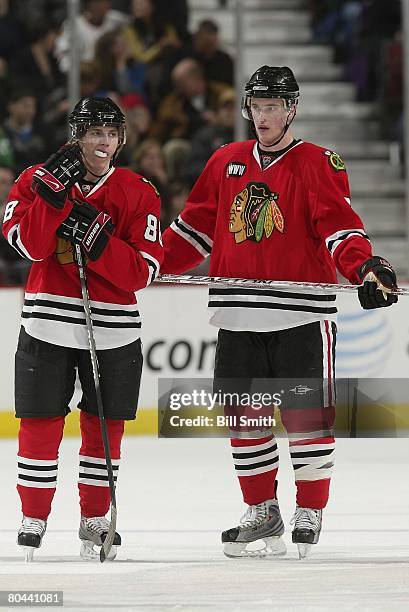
(261, 524)
(30, 535)
(93, 531)
(307, 529)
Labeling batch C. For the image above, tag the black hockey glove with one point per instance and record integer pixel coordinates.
(53, 179)
(378, 278)
(88, 227)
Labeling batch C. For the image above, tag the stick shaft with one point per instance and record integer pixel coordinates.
(262, 284)
(95, 371)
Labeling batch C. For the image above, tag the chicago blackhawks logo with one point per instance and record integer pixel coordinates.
(335, 161)
(255, 213)
(64, 252)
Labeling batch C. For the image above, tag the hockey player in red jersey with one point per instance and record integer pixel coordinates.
(278, 208)
(78, 197)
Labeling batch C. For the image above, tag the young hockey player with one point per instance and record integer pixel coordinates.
(278, 208)
(78, 197)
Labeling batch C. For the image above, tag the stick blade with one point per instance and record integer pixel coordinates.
(109, 540)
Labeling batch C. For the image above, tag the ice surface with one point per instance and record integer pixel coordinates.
(174, 498)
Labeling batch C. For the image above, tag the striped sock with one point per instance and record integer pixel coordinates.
(39, 440)
(93, 482)
(313, 462)
(256, 464)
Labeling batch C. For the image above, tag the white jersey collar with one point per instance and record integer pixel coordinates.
(97, 186)
(258, 160)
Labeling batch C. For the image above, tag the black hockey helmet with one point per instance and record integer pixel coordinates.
(96, 111)
(270, 82)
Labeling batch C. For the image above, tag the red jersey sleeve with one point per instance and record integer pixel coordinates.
(190, 237)
(132, 261)
(334, 219)
(29, 223)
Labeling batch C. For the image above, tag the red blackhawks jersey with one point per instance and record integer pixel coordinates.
(291, 221)
(53, 309)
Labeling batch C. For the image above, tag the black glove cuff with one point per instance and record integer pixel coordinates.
(376, 265)
(56, 199)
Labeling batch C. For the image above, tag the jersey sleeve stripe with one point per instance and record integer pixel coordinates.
(153, 266)
(198, 240)
(14, 239)
(337, 238)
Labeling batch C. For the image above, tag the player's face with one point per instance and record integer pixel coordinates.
(269, 116)
(99, 145)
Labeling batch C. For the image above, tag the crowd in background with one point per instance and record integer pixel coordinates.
(367, 39)
(174, 85)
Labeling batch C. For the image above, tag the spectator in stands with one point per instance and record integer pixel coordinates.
(176, 13)
(150, 162)
(11, 32)
(190, 106)
(209, 138)
(6, 182)
(217, 64)
(358, 30)
(11, 39)
(138, 123)
(96, 19)
(378, 23)
(149, 37)
(31, 11)
(35, 63)
(6, 151)
(4, 87)
(391, 89)
(153, 42)
(29, 139)
(179, 192)
(118, 69)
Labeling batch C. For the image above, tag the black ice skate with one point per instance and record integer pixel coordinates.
(307, 529)
(30, 535)
(262, 524)
(93, 531)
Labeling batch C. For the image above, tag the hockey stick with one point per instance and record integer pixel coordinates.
(109, 540)
(252, 283)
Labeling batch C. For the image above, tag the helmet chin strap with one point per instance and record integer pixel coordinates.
(98, 175)
(277, 141)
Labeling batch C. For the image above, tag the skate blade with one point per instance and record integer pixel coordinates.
(303, 550)
(88, 552)
(274, 546)
(28, 553)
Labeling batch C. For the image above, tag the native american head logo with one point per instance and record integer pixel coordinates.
(255, 213)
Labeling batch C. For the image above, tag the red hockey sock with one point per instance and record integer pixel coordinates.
(313, 461)
(93, 479)
(256, 464)
(313, 494)
(39, 440)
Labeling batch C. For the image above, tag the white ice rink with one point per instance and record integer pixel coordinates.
(174, 498)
